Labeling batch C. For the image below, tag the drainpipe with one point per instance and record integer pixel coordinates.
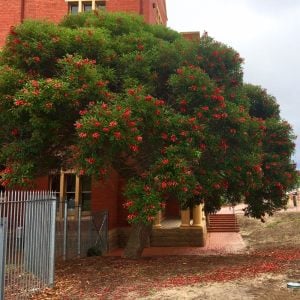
(141, 7)
(22, 11)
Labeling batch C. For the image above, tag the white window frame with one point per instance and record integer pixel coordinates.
(80, 4)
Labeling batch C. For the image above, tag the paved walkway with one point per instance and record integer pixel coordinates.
(216, 243)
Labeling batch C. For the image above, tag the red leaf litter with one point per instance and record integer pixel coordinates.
(118, 278)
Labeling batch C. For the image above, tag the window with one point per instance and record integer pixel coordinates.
(77, 6)
(85, 193)
(73, 8)
(54, 186)
(100, 5)
(69, 187)
(87, 6)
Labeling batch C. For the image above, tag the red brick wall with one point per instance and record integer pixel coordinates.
(10, 14)
(105, 195)
(41, 183)
(150, 8)
(53, 10)
(124, 5)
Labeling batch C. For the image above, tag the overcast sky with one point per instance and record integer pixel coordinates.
(264, 32)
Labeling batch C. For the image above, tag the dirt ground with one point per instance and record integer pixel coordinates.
(271, 259)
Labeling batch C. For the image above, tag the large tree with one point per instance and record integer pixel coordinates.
(102, 91)
(277, 147)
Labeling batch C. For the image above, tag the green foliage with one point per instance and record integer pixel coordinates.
(262, 105)
(102, 91)
(279, 174)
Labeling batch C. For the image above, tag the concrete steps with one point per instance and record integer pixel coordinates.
(178, 237)
(222, 223)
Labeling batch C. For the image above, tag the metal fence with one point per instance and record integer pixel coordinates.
(79, 235)
(27, 242)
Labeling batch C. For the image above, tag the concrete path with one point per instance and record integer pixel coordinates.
(217, 243)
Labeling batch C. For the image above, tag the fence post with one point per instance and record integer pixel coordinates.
(65, 231)
(52, 241)
(3, 233)
(79, 232)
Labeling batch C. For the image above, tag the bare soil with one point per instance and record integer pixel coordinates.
(272, 259)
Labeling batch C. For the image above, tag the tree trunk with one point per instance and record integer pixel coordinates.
(138, 240)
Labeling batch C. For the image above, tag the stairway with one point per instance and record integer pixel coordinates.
(222, 223)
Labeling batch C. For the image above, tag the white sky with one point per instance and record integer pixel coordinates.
(264, 32)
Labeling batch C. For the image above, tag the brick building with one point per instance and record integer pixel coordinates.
(94, 195)
(13, 12)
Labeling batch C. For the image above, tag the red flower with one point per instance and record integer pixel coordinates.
(82, 135)
(36, 59)
(90, 160)
(128, 204)
(163, 205)
(101, 83)
(83, 112)
(134, 148)
(131, 92)
(131, 217)
(97, 123)
(164, 185)
(20, 102)
(150, 218)
(159, 102)
(127, 113)
(15, 132)
(113, 124)
(173, 138)
(216, 186)
(139, 138)
(118, 135)
(140, 47)
(131, 124)
(148, 98)
(183, 102)
(165, 161)
(164, 136)
(147, 188)
(105, 129)
(96, 135)
(35, 83)
(49, 105)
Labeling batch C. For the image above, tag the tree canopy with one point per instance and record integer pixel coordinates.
(173, 117)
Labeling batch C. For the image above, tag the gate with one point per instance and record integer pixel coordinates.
(27, 242)
(79, 235)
